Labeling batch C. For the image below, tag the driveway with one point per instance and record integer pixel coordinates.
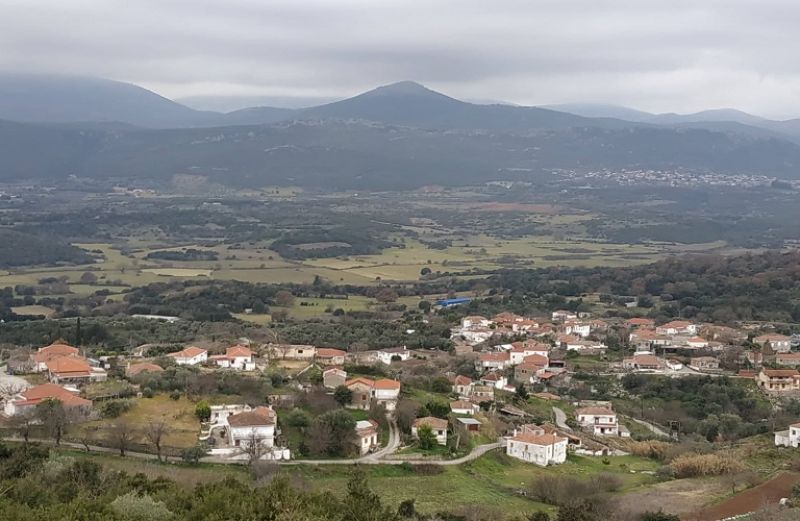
(561, 419)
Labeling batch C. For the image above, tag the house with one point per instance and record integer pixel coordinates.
(541, 449)
(643, 362)
(493, 379)
(73, 370)
(581, 329)
(704, 363)
(463, 407)
(492, 361)
(779, 380)
(640, 322)
(462, 385)
(648, 337)
(563, 315)
(573, 343)
(527, 373)
(333, 377)
(143, 367)
(601, 421)
(778, 343)
(462, 349)
(28, 399)
(364, 390)
(677, 327)
(674, 365)
(394, 354)
(788, 438)
(236, 357)
(256, 425)
(190, 356)
(482, 393)
(518, 351)
(470, 424)
(220, 413)
(367, 435)
(40, 358)
(475, 321)
(300, 352)
(788, 359)
(438, 427)
(330, 356)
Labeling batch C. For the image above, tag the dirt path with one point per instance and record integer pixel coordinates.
(766, 494)
(561, 419)
(652, 428)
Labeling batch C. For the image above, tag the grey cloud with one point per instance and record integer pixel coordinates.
(678, 56)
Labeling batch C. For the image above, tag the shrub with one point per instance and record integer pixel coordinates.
(652, 449)
(115, 408)
(695, 465)
(132, 507)
(175, 395)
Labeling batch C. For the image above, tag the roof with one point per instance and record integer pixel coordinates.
(645, 360)
(462, 380)
(677, 324)
(461, 404)
(335, 369)
(640, 321)
(385, 383)
(329, 352)
(780, 373)
(144, 367)
(53, 351)
(495, 357)
(189, 352)
(788, 356)
(258, 416)
(540, 439)
(360, 380)
(366, 427)
(432, 422)
(469, 421)
(239, 351)
(39, 393)
(536, 360)
(69, 365)
(595, 411)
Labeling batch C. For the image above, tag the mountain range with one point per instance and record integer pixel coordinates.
(402, 135)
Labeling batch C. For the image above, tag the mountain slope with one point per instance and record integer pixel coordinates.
(334, 154)
(59, 99)
(411, 104)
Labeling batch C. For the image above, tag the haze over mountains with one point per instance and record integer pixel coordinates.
(396, 136)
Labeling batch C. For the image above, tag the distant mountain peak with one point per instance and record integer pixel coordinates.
(405, 88)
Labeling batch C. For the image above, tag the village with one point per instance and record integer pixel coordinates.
(505, 384)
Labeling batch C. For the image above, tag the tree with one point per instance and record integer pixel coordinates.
(253, 448)
(343, 395)
(121, 436)
(521, 392)
(88, 278)
(386, 295)
(424, 306)
(203, 411)
(362, 504)
(333, 433)
(284, 298)
(54, 418)
(539, 516)
(407, 508)
(154, 433)
(22, 422)
(426, 437)
(192, 455)
(405, 413)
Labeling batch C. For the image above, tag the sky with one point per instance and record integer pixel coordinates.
(655, 55)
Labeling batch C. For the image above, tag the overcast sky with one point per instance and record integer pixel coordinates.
(657, 55)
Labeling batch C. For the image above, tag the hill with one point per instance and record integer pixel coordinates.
(331, 154)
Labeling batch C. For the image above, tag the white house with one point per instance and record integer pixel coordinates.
(399, 354)
(255, 425)
(582, 329)
(236, 357)
(26, 400)
(220, 413)
(492, 361)
(601, 421)
(778, 343)
(540, 449)
(462, 385)
(677, 327)
(562, 316)
(463, 407)
(438, 427)
(475, 321)
(364, 390)
(518, 351)
(788, 438)
(367, 434)
(190, 356)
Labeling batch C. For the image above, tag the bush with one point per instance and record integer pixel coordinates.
(652, 449)
(175, 395)
(115, 408)
(695, 465)
(132, 507)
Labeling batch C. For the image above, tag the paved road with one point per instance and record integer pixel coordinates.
(370, 459)
(653, 428)
(561, 419)
(391, 447)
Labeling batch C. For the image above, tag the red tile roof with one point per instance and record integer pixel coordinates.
(432, 422)
(189, 352)
(541, 439)
(256, 417)
(69, 366)
(43, 392)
